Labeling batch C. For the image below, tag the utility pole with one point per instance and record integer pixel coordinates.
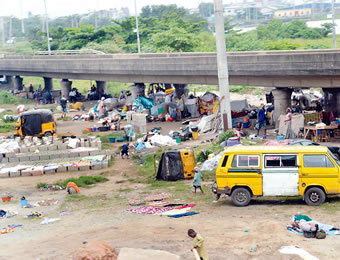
(47, 31)
(222, 64)
(22, 18)
(137, 29)
(3, 30)
(334, 29)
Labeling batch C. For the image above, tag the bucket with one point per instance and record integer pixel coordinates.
(112, 139)
(160, 110)
(195, 135)
(280, 138)
(178, 140)
(246, 124)
(23, 202)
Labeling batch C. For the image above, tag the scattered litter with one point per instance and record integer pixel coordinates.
(48, 202)
(49, 220)
(7, 214)
(36, 215)
(294, 250)
(65, 212)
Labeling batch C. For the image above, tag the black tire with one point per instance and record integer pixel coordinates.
(315, 197)
(47, 134)
(241, 197)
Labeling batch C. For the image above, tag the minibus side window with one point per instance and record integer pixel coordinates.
(246, 161)
(280, 161)
(317, 161)
(225, 160)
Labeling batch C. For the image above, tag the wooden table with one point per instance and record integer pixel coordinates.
(315, 129)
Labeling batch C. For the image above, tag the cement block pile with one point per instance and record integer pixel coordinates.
(35, 156)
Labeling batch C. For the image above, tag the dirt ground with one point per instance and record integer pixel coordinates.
(99, 214)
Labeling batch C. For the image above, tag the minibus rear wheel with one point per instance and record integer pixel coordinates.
(241, 197)
(315, 196)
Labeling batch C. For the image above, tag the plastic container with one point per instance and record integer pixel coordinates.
(232, 122)
(246, 124)
(195, 135)
(23, 202)
(112, 139)
(178, 140)
(6, 199)
(280, 138)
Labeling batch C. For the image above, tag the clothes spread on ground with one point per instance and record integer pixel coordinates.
(183, 214)
(148, 210)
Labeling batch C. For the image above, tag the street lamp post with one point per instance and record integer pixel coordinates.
(334, 31)
(47, 30)
(137, 29)
(222, 64)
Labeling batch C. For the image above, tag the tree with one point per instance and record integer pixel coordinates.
(173, 40)
(206, 9)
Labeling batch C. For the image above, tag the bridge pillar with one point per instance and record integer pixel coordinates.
(7, 84)
(65, 87)
(137, 90)
(282, 100)
(48, 84)
(332, 100)
(101, 88)
(17, 83)
(181, 89)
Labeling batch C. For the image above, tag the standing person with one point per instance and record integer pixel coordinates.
(63, 103)
(261, 121)
(288, 121)
(30, 88)
(125, 151)
(48, 97)
(198, 244)
(197, 179)
(101, 107)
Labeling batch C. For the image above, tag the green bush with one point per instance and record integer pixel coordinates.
(203, 155)
(82, 181)
(225, 136)
(7, 98)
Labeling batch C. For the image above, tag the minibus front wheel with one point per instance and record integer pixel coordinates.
(241, 197)
(315, 196)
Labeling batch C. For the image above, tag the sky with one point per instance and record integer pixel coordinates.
(66, 7)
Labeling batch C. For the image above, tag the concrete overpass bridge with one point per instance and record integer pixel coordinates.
(277, 69)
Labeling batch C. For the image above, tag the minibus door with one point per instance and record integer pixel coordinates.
(280, 175)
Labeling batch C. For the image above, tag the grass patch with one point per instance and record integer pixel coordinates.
(125, 189)
(41, 185)
(83, 181)
(66, 118)
(105, 138)
(332, 206)
(6, 127)
(7, 98)
(77, 197)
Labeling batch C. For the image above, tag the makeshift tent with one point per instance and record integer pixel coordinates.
(170, 167)
(239, 105)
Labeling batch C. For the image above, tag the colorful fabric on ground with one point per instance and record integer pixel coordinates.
(157, 204)
(183, 214)
(148, 210)
(156, 197)
(186, 206)
(175, 212)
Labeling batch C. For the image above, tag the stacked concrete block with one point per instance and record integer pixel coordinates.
(26, 173)
(72, 168)
(84, 168)
(44, 157)
(4, 174)
(34, 157)
(14, 173)
(62, 169)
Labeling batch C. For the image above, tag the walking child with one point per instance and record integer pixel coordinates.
(125, 151)
(197, 179)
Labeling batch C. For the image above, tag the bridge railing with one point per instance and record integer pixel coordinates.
(69, 52)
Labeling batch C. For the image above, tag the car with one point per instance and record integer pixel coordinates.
(334, 149)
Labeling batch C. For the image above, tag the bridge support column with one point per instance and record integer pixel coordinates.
(17, 83)
(282, 100)
(101, 88)
(8, 84)
(48, 84)
(332, 100)
(65, 87)
(137, 90)
(181, 89)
